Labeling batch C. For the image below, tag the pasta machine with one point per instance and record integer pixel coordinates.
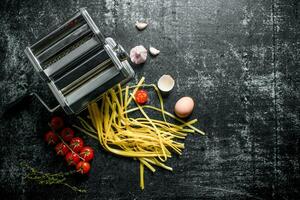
(78, 62)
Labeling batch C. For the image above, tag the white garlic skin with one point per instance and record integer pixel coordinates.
(138, 54)
(141, 25)
(153, 51)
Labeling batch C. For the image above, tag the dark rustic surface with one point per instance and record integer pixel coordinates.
(239, 59)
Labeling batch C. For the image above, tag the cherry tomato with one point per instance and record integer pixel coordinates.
(72, 158)
(57, 123)
(141, 97)
(76, 144)
(51, 138)
(61, 149)
(67, 134)
(87, 153)
(83, 167)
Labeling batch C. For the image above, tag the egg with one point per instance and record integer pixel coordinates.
(184, 107)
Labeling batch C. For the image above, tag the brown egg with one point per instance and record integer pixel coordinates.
(184, 107)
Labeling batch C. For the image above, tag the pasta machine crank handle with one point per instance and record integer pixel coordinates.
(21, 103)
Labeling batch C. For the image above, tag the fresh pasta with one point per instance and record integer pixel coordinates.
(150, 141)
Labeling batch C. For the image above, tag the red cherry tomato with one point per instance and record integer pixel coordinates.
(141, 97)
(76, 144)
(67, 134)
(57, 123)
(72, 158)
(87, 153)
(83, 167)
(51, 138)
(61, 149)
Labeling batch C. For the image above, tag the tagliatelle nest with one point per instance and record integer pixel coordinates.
(151, 141)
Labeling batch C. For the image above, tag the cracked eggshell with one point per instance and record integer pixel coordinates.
(138, 54)
(153, 51)
(141, 25)
(165, 83)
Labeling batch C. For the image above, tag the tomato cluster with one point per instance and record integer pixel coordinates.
(72, 148)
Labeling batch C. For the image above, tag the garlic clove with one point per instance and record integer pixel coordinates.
(141, 25)
(154, 51)
(138, 54)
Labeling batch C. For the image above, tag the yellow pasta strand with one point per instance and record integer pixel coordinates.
(142, 184)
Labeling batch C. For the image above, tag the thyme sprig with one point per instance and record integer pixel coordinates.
(50, 178)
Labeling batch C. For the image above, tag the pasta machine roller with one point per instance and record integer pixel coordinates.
(78, 62)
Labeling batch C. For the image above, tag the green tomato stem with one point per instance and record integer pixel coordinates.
(65, 142)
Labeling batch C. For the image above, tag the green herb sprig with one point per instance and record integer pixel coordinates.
(50, 178)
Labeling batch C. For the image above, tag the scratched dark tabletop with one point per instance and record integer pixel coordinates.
(238, 59)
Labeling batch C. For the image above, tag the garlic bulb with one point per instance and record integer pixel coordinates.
(138, 54)
(153, 51)
(141, 25)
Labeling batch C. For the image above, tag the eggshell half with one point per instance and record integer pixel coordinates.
(165, 83)
(184, 107)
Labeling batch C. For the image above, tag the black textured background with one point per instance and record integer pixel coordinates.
(239, 60)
